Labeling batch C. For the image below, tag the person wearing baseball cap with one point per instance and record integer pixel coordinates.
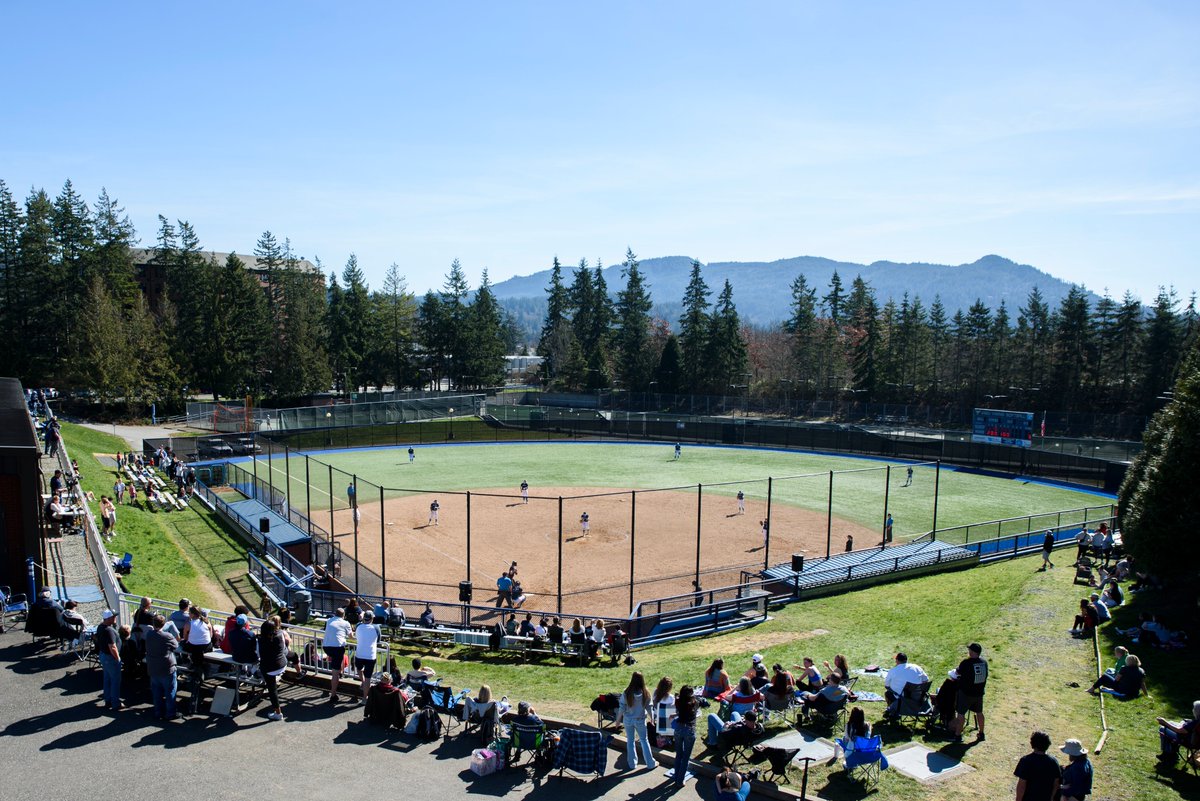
(1077, 775)
(755, 661)
(106, 641)
(972, 680)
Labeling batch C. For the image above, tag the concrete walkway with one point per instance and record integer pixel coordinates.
(134, 434)
(57, 743)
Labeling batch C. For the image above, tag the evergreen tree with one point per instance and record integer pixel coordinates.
(633, 328)
(304, 365)
(727, 357)
(803, 327)
(455, 320)
(485, 363)
(581, 302)
(432, 329)
(939, 347)
(112, 258)
(694, 330)
(397, 310)
(603, 315)
(354, 317)
(834, 299)
(233, 350)
(866, 347)
(335, 323)
(15, 292)
(1160, 352)
(999, 346)
(1123, 344)
(670, 367)
(1156, 496)
(40, 274)
(1073, 348)
(557, 307)
(107, 360)
(1033, 341)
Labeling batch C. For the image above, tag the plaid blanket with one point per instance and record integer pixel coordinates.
(582, 751)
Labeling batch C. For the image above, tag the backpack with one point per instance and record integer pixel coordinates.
(429, 725)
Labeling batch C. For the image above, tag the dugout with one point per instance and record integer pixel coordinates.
(20, 485)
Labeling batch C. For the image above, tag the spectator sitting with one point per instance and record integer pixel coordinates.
(755, 661)
(856, 726)
(395, 616)
(1121, 653)
(578, 635)
(718, 728)
(72, 619)
(527, 626)
(903, 674)
(180, 616)
(760, 679)
(539, 631)
(230, 625)
(1102, 613)
(385, 706)
(1077, 775)
(1113, 595)
(418, 675)
(426, 620)
(809, 677)
(716, 680)
(526, 715)
(745, 697)
(554, 633)
(734, 786)
(1086, 620)
(828, 696)
(840, 665)
(353, 612)
(779, 693)
(510, 626)
(1171, 735)
(380, 611)
(598, 637)
(242, 642)
(1151, 631)
(1128, 683)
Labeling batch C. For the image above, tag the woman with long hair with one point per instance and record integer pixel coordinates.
(716, 680)
(685, 733)
(272, 662)
(634, 706)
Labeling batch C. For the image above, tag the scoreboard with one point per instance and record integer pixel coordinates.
(1002, 428)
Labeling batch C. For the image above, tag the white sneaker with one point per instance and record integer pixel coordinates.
(274, 716)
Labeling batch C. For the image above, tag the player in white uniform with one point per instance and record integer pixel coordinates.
(585, 523)
(741, 498)
(524, 492)
(433, 512)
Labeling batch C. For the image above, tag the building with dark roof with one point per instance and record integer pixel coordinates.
(152, 277)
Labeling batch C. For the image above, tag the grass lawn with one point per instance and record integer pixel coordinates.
(858, 495)
(176, 554)
(1020, 616)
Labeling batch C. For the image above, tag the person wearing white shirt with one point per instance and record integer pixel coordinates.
(337, 631)
(366, 638)
(904, 673)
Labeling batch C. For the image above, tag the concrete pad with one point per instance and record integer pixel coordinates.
(810, 745)
(923, 764)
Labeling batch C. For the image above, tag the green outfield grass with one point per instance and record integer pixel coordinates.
(858, 492)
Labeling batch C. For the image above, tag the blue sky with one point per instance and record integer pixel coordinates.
(1062, 135)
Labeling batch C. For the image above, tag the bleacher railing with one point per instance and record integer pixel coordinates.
(249, 528)
(1026, 524)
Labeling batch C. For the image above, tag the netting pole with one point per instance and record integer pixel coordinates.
(468, 535)
(270, 475)
(829, 519)
(887, 486)
(382, 549)
(354, 519)
(254, 465)
(632, 542)
(767, 540)
(937, 474)
(699, 508)
(332, 530)
(287, 479)
(307, 496)
(560, 543)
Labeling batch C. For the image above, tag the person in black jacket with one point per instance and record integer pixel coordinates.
(272, 662)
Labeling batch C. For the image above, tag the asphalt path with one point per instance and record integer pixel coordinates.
(57, 743)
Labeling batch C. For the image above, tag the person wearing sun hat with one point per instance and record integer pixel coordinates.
(1077, 775)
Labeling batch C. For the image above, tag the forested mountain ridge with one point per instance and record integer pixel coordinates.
(761, 286)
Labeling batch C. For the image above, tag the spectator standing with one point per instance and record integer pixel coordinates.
(106, 641)
(337, 632)
(1038, 774)
(686, 706)
(1047, 547)
(1077, 775)
(366, 638)
(972, 681)
(634, 705)
(161, 667)
(272, 661)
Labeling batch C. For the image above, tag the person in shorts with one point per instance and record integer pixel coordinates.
(972, 681)
(337, 632)
(366, 639)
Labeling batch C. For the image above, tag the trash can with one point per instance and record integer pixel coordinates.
(301, 604)
(264, 525)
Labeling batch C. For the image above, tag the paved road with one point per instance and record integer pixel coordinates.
(55, 743)
(134, 434)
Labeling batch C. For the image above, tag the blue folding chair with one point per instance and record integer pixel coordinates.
(16, 604)
(864, 760)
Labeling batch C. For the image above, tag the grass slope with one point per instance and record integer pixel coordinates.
(176, 554)
(858, 496)
(1021, 617)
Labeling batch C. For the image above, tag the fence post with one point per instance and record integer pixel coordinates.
(254, 467)
(270, 476)
(767, 541)
(560, 544)
(937, 476)
(354, 520)
(887, 488)
(468, 535)
(829, 519)
(332, 530)
(699, 507)
(382, 548)
(287, 479)
(307, 496)
(632, 541)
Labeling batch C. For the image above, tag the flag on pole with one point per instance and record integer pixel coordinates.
(1043, 425)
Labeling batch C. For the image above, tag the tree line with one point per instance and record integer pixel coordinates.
(1111, 356)
(75, 315)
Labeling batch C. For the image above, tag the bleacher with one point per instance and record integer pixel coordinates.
(821, 575)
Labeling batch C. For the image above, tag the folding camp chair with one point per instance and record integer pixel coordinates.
(864, 761)
(734, 744)
(525, 739)
(822, 712)
(581, 752)
(481, 719)
(606, 707)
(914, 706)
(444, 702)
(17, 604)
(778, 760)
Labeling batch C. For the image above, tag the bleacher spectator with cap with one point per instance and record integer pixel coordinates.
(106, 641)
(243, 644)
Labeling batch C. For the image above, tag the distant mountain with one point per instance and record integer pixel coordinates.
(761, 289)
